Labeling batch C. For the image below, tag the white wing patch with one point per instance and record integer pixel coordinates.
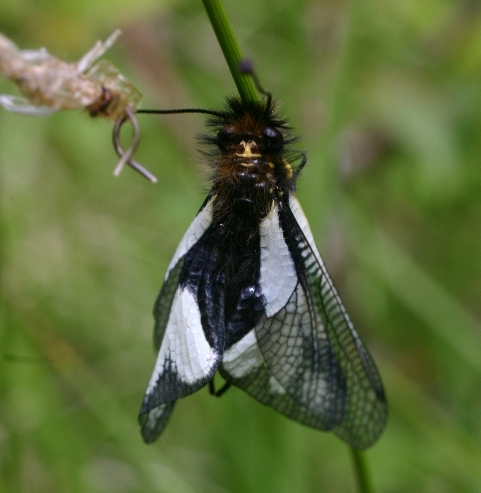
(278, 277)
(184, 350)
(243, 357)
(304, 225)
(194, 232)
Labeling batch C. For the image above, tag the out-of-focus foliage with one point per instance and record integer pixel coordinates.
(387, 97)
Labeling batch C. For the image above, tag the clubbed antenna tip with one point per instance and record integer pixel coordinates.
(246, 66)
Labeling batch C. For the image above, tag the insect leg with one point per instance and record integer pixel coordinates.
(222, 390)
(301, 165)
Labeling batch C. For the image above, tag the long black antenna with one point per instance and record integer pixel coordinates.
(185, 110)
(246, 66)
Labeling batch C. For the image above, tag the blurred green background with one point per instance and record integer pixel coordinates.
(387, 98)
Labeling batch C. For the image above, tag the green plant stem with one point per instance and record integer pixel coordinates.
(230, 47)
(361, 471)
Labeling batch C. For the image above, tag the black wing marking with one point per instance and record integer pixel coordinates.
(302, 360)
(189, 325)
(153, 422)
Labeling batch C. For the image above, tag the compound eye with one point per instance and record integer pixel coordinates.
(225, 138)
(272, 139)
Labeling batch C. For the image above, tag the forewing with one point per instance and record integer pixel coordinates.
(297, 353)
(244, 364)
(189, 326)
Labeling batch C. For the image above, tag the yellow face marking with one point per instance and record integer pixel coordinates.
(247, 150)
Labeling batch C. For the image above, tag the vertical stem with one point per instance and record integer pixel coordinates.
(361, 471)
(230, 47)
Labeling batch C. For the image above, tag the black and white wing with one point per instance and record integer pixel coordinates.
(189, 326)
(304, 357)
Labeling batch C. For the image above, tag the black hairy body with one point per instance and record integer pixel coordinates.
(250, 174)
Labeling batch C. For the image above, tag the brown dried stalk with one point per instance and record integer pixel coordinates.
(48, 84)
